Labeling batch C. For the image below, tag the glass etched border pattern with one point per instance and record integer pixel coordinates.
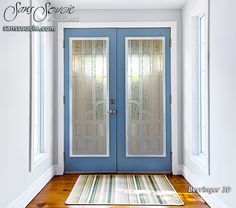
(106, 39)
(163, 120)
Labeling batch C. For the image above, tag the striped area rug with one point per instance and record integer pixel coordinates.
(123, 190)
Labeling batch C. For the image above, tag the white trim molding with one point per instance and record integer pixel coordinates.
(26, 197)
(211, 199)
(57, 170)
(201, 160)
(175, 128)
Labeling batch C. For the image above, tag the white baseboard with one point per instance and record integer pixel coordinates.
(58, 170)
(180, 169)
(25, 198)
(212, 200)
(176, 170)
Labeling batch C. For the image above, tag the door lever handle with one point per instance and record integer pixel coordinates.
(112, 111)
(112, 101)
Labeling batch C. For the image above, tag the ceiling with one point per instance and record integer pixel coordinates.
(121, 4)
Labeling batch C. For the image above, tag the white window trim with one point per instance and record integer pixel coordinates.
(175, 107)
(35, 160)
(202, 161)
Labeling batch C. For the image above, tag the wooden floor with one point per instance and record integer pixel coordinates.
(55, 193)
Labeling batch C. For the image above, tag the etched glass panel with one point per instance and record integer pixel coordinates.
(89, 94)
(145, 97)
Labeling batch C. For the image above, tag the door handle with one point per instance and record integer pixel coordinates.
(112, 101)
(112, 111)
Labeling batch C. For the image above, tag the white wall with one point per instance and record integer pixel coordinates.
(15, 177)
(222, 102)
(137, 16)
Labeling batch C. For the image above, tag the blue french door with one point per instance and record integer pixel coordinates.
(117, 107)
(143, 119)
(90, 92)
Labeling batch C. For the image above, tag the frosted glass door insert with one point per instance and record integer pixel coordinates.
(145, 97)
(89, 97)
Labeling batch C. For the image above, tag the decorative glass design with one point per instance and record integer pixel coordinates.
(145, 97)
(89, 94)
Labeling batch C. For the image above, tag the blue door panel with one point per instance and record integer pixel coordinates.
(140, 164)
(91, 164)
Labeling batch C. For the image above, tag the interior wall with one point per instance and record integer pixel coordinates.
(137, 16)
(222, 102)
(15, 177)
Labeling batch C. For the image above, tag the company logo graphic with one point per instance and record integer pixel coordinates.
(39, 13)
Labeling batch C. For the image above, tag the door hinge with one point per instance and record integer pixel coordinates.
(170, 99)
(64, 156)
(171, 156)
(170, 42)
(64, 99)
(63, 44)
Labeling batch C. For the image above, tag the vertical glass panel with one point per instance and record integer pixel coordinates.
(202, 85)
(37, 95)
(145, 97)
(89, 97)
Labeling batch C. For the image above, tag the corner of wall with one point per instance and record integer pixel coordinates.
(25, 197)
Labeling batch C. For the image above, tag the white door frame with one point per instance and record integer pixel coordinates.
(59, 168)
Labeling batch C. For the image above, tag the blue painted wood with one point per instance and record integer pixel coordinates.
(91, 164)
(118, 162)
(140, 164)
